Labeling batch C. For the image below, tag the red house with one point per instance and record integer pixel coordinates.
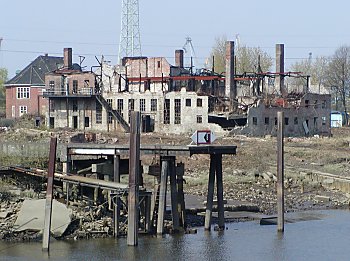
(24, 92)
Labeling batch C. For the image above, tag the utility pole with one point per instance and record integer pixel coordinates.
(1, 39)
(130, 43)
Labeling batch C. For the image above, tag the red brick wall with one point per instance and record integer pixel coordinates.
(35, 104)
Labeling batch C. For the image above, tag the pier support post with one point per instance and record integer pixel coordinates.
(280, 172)
(180, 170)
(210, 195)
(173, 188)
(116, 205)
(134, 165)
(162, 193)
(220, 191)
(49, 191)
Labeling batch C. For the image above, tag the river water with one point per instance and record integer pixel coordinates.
(316, 235)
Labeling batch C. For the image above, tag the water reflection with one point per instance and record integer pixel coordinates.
(325, 239)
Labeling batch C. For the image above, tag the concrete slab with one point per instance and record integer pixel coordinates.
(32, 213)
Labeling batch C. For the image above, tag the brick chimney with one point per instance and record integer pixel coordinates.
(179, 58)
(67, 58)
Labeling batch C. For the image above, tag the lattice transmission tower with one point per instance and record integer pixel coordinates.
(130, 43)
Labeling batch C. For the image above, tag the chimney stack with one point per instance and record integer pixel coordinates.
(67, 58)
(280, 69)
(230, 86)
(179, 58)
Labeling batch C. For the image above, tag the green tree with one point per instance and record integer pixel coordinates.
(3, 79)
(248, 59)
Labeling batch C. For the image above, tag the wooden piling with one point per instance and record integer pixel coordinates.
(49, 191)
(180, 194)
(220, 191)
(162, 194)
(173, 189)
(280, 172)
(134, 163)
(116, 205)
(209, 207)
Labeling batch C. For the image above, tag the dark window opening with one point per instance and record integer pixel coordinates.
(199, 102)
(158, 64)
(188, 102)
(315, 104)
(177, 111)
(110, 118)
(324, 104)
(315, 122)
(166, 111)
(275, 120)
(296, 121)
(323, 120)
(75, 86)
(131, 104)
(306, 103)
(199, 119)
(98, 113)
(286, 121)
(87, 122)
(153, 104)
(120, 106)
(75, 122)
(267, 120)
(255, 121)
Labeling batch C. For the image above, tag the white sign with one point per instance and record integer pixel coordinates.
(203, 137)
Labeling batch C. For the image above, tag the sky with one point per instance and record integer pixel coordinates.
(92, 28)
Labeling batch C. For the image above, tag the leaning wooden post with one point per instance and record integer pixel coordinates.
(209, 207)
(220, 191)
(173, 188)
(280, 172)
(49, 190)
(134, 163)
(116, 205)
(162, 193)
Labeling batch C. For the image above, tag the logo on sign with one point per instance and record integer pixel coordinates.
(203, 137)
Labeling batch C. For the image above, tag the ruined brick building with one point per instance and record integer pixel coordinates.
(173, 99)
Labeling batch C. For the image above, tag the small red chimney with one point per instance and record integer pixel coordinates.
(67, 58)
(179, 58)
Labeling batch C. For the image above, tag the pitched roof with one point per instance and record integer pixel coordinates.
(34, 73)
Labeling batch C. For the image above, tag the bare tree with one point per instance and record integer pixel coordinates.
(248, 59)
(3, 78)
(338, 75)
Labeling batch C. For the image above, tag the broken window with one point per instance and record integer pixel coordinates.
(75, 105)
(87, 122)
(188, 102)
(86, 83)
(142, 105)
(286, 121)
(75, 87)
(153, 104)
(110, 118)
(275, 120)
(166, 111)
(158, 64)
(323, 120)
(267, 120)
(295, 120)
(177, 111)
(110, 102)
(199, 119)
(199, 102)
(120, 106)
(315, 122)
(255, 121)
(131, 104)
(98, 113)
(52, 85)
(306, 103)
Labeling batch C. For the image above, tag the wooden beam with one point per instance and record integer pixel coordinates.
(209, 207)
(49, 191)
(280, 172)
(162, 194)
(220, 191)
(173, 189)
(134, 164)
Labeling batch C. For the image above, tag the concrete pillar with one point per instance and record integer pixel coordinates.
(230, 87)
(280, 69)
(179, 58)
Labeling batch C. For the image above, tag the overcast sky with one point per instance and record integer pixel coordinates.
(36, 27)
